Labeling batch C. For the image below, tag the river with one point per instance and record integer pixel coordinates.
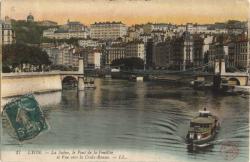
(139, 118)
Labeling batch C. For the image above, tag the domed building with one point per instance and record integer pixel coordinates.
(30, 18)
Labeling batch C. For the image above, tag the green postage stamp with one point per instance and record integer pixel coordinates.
(26, 117)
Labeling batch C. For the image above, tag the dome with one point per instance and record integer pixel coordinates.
(30, 18)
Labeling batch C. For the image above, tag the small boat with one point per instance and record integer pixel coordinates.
(89, 83)
(135, 78)
(202, 129)
(201, 85)
(132, 78)
(198, 84)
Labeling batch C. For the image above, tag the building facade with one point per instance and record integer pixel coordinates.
(107, 30)
(114, 52)
(135, 49)
(241, 54)
(198, 53)
(94, 59)
(54, 33)
(182, 51)
(162, 54)
(63, 54)
(7, 33)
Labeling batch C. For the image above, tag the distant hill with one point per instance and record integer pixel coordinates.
(28, 32)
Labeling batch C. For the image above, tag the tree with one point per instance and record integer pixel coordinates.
(28, 32)
(129, 63)
(15, 55)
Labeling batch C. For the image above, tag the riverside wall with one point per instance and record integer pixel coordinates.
(14, 85)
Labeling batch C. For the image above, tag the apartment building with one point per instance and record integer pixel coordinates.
(107, 30)
(7, 33)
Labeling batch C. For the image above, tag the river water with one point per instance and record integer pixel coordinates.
(138, 117)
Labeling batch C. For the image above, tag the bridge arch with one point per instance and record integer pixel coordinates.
(69, 80)
(69, 76)
(234, 80)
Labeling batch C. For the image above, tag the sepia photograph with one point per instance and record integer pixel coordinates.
(124, 80)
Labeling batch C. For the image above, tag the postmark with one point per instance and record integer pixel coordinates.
(229, 150)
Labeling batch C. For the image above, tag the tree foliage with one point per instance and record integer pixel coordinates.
(129, 63)
(18, 54)
(63, 68)
(28, 32)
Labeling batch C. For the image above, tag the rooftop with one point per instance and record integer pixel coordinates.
(203, 120)
(108, 22)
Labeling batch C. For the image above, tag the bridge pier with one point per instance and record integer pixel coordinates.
(81, 78)
(80, 83)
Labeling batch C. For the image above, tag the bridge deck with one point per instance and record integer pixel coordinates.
(41, 73)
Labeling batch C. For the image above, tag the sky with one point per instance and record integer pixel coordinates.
(128, 11)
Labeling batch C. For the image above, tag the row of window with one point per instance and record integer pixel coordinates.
(241, 57)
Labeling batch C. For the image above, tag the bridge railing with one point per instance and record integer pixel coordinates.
(42, 73)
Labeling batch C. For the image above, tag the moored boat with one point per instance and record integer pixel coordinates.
(202, 129)
(89, 83)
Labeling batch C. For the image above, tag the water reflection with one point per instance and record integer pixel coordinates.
(141, 117)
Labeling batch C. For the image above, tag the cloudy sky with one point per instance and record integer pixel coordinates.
(128, 11)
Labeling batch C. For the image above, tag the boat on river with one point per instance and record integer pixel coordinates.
(89, 83)
(202, 130)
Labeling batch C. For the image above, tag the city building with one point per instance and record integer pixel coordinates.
(149, 46)
(135, 49)
(133, 34)
(218, 49)
(61, 34)
(47, 23)
(149, 27)
(7, 33)
(75, 26)
(73, 29)
(231, 54)
(198, 51)
(89, 43)
(30, 18)
(51, 50)
(63, 54)
(54, 33)
(162, 54)
(195, 28)
(107, 30)
(199, 29)
(125, 50)
(236, 27)
(115, 51)
(180, 29)
(145, 37)
(67, 56)
(49, 33)
(94, 59)
(242, 58)
(182, 51)
(158, 35)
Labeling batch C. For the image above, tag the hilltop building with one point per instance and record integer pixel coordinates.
(30, 18)
(7, 34)
(107, 30)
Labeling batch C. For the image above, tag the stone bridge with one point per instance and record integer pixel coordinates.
(237, 78)
(13, 84)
